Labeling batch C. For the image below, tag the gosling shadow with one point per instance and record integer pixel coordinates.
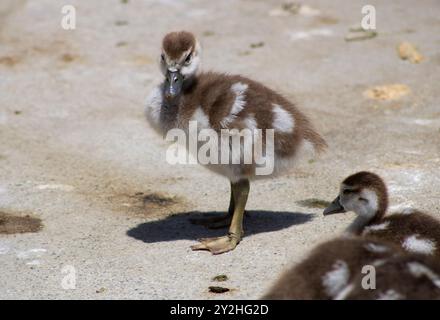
(179, 227)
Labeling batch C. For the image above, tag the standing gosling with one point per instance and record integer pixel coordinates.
(366, 194)
(218, 101)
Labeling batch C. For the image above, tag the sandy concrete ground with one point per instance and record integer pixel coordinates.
(76, 152)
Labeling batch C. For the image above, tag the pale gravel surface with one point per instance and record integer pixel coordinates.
(82, 130)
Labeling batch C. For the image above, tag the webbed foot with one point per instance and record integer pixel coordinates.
(218, 245)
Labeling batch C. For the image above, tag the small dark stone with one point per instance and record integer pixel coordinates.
(215, 289)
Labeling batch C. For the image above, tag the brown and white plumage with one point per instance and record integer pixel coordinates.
(365, 193)
(402, 247)
(402, 277)
(337, 269)
(218, 101)
(330, 270)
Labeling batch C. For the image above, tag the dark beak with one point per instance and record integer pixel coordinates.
(334, 207)
(173, 84)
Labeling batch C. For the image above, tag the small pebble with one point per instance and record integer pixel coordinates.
(215, 289)
(220, 278)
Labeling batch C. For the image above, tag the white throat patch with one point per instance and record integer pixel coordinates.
(419, 245)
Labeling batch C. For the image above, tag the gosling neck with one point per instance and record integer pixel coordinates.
(364, 217)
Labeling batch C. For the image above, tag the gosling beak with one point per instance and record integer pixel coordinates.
(173, 84)
(334, 207)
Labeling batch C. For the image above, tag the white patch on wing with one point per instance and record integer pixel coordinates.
(153, 105)
(390, 295)
(336, 279)
(201, 118)
(283, 121)
(418, 270)
(250, 122)
(372, 247)
(342, 295)
(239, 90)
(376, 227)
(418, 245)
(379, 262)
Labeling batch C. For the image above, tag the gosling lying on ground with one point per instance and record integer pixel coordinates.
(366, 194)
(334, 270)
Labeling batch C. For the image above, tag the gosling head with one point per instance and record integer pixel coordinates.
(365, 194)
(179, 61)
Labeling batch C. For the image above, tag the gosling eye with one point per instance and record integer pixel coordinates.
(188, 59)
